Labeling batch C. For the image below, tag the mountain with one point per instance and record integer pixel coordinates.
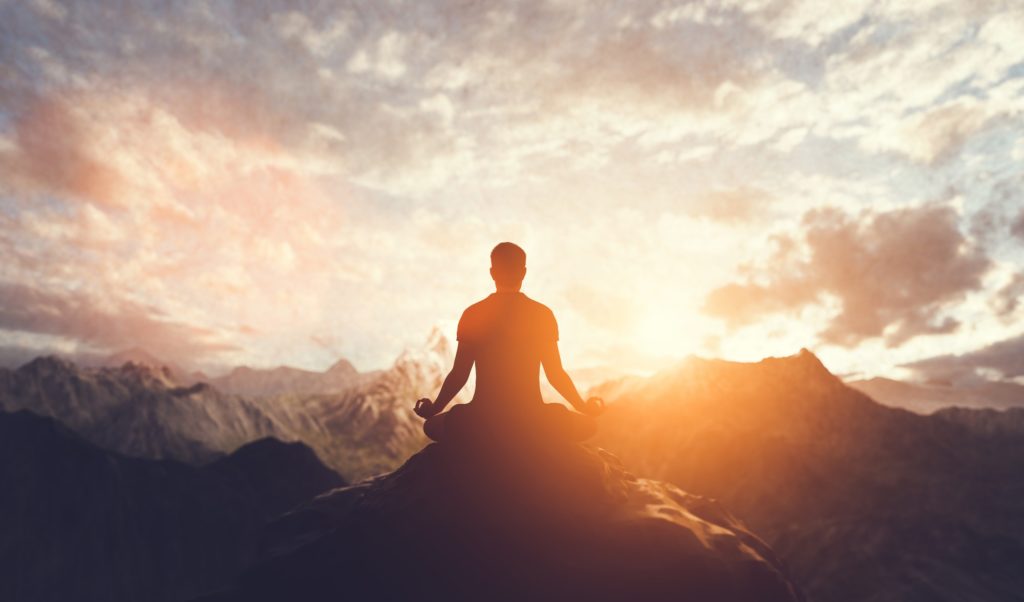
(925, 398)
(512, 520)
(137, 410)
(371, 428)
(252, 382)
(584, 379)
(365, 428)
(863, 501)
(141, 357)
(987, 422)
(82, 523)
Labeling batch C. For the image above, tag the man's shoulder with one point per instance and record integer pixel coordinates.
(495, 302)
(476, 312)
(479, 305)
(537, 306)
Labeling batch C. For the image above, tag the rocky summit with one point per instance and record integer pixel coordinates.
(512, 521)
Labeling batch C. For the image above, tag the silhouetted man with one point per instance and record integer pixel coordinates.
(508, 336)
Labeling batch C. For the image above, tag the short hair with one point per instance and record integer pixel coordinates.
(508, 256)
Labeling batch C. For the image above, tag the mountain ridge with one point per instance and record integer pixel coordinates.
(848, 491)
(365, 427)
(926, 398)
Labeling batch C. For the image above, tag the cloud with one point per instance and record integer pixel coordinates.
(733, 205)
(1003, 359)
(300, 168)
(1006, 299)
(51, 154)
(893, 274)
(936, 134)
(50, 8)
(1017, 227)
(104, 324)
(116, 196)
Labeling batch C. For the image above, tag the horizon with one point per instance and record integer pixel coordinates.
(225, 184)
(607, 373)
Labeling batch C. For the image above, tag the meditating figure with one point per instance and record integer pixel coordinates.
(508, 336)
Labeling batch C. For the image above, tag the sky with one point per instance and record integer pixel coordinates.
(269, 183)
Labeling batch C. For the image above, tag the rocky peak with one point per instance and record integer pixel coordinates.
(436, 351)
(810, 363)
(146, 375)
(513, 521)
(136, 355)
(342, 367)
(437, 342)
(48, 366)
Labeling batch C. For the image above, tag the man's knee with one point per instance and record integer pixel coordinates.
(433, 427)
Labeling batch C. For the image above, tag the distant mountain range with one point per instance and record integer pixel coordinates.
(925, 398)
(81, 523)
(138, 410)
(359, 423)
(254, 382)
(865, 502)
(141, 357)
(370, 428)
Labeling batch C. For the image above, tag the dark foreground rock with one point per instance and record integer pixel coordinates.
(553, 522)
(82, 523)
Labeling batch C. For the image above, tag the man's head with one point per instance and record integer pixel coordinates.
(508, 265)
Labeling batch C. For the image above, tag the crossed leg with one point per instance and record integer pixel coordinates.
(552, 419)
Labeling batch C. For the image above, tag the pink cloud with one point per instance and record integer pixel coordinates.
(894, 274)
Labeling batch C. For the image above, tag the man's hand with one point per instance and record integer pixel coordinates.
(593, 406)
(425, 408)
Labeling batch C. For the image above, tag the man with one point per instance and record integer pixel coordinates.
(508, 336)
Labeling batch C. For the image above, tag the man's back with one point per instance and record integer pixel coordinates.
(508, 333)
(508, 336)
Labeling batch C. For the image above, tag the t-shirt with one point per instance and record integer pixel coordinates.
(508, 333)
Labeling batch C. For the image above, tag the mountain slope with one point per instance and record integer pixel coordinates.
(81, 523)
(865, 502)
(512, 520)
(252, 382)
(1008, 423)
(138, 410)
(141, 357)
(925, 398)
(370, 428)
(365, 428)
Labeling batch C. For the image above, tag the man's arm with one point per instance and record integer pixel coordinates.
(457, 378)
(558, 377)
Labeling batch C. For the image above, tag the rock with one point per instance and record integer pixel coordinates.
(499, 521)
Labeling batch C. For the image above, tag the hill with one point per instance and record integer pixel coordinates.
(82, 523)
